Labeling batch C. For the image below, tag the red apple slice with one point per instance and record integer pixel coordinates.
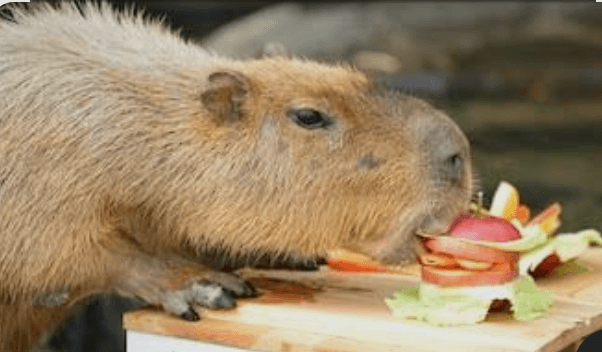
(487, 228)
(546, 266)
(498, 274)
(455, 248)
(549, 219)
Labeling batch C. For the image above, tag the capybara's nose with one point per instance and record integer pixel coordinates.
(445, 149)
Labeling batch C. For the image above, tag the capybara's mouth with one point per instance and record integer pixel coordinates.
(434, 227)
(402, 243)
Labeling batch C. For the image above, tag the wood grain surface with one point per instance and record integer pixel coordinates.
(332, 311)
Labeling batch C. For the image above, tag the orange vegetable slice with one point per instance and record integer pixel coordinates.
(342, 260)
(523, 213)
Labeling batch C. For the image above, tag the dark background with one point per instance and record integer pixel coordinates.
(523, 80)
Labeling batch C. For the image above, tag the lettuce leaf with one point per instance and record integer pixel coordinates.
(529, 301)
(440, 306)
(566, 245)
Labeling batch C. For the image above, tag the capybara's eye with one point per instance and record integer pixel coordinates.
(308, 118)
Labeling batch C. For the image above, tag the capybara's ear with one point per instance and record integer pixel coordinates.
(225, 95)
(275, 49)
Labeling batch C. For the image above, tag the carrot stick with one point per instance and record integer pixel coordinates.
(523, 213)
(342, 260)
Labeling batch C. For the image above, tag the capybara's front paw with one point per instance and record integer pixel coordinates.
(219, 291)
(206, 294)
(233, 284)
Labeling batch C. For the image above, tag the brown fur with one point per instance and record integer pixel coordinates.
(125, 153)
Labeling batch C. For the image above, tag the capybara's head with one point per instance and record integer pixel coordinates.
(293, 157)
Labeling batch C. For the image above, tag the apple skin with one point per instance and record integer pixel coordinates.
(486, 228)
(546, 266)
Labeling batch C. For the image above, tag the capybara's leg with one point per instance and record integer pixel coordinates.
(22, 326)
(177, 284)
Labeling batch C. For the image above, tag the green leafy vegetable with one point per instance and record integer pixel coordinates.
(529, 301)
(567, 246)
(441, 306)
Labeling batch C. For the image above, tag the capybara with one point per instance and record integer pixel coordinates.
(129, 156)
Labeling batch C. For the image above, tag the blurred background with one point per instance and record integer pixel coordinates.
(523, 80)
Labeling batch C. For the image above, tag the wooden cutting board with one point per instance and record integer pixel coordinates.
(332, 311)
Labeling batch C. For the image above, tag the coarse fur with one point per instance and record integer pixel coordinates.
(127, 154)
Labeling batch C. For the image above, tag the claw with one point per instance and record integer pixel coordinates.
(190, 315)
(237, 286)
(224, 301)
(250, 290)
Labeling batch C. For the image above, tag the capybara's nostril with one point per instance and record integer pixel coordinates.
(445, 148)
(448, 163)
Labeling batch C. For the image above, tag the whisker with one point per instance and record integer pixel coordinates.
(422, 233)
(477, 185)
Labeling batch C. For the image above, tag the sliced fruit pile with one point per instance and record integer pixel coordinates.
(485, 257)
(540, 249)
(505, 204)
(482, 248)
(489, 245)
(451, 262)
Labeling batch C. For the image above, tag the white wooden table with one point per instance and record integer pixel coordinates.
(330, 311)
